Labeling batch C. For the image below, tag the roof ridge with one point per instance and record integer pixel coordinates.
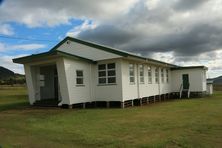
(117, 50)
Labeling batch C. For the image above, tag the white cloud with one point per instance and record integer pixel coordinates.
(183, 32)
(6, 61)
(213, 64)
(6, 29)
(86, 25)
(27, 47)
(54, 12)
(164, 56)
(21, 47)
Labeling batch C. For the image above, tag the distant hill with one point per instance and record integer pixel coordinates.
(217, 80)
(5, 73)
(8, 77)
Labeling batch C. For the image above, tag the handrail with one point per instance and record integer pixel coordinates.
(188, 92)
(181, 90)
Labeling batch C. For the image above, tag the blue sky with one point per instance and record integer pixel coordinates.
(47, 36)
(180, 32)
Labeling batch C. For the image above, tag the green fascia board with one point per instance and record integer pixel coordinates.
(31, 57)
(189, 67)
(45, 54)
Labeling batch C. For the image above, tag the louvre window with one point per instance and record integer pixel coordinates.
(149, 74)
(167, 76)
(131, 73)
(141, 73)
(162, 75)
(156, 75)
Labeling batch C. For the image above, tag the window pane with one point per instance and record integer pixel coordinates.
(111, 66)
(149, 74)
(102, 66)
(111, 73)
(112, 80)
(102, 80)
(102, 73)
(131, 73)
(150, 80)
(79, 73)
(79, 80)
(132, 80)
(141, 79)
(141, 70)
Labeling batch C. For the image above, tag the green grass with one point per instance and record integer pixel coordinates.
(178, 123)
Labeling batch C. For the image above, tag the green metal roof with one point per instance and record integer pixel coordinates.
(109, 49)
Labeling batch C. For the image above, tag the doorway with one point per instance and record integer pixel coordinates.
(186, 83)
(56, 85)
(48, 83)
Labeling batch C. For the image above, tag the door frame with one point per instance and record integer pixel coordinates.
(185, 77)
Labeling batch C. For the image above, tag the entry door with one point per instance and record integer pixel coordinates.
(185, 81)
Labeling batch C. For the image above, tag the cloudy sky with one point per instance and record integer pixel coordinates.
(183, 32)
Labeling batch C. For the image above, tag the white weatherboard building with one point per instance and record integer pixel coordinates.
(77, 72)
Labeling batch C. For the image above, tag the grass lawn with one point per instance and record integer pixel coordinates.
(178, 123)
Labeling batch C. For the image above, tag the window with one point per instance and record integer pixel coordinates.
(107, 73)
(156, 75)
(162, 75)
(141, 72)
(111, 73)
(167, 76)
(102, 73)
(149, 74)
(131, 73)
(79, 77)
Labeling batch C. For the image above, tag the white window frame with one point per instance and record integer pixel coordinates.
(141, 74)
(111, 69)
(156, 75)
(149, 68)
(106, 77)
(102, 77)
(80, 77)
(132, 69)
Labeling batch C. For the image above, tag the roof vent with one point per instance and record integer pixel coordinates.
(68, 42)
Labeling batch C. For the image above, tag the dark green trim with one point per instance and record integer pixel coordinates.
(58, 45)
(33, 56)
(189, 67)
(90, 44)
(50, 53)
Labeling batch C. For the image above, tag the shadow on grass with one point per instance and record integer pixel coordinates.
(15, 105)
